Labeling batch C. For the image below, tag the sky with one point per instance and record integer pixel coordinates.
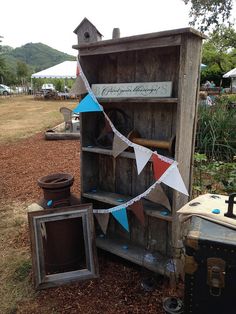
(53, 22)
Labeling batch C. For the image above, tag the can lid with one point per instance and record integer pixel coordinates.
(56, 180)
(173, 305)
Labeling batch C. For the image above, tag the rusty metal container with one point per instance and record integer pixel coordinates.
(63, 244)
(56, 190)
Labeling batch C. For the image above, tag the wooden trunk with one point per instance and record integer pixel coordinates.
(158, 57)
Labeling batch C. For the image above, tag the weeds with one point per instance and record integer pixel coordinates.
(22, 271)
(216, 131)
(213, 176)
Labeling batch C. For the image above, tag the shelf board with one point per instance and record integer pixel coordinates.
(168, 100)
(136, 254)
(108, 152)
(150, 208)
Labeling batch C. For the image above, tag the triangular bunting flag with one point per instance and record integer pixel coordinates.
(121, 217)
(118, 146)
(175, 181)
(142, 157)
(103, 220)
(79, 87)
(77, 68)
(159, 166)
(107, 126)
(87, 104)
(137, 209)
(157, 195)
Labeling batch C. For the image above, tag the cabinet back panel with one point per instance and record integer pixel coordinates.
(149, 65)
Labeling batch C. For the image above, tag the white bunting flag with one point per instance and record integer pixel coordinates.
(157, 195)
(103, 220)
(142, 157)
(79, 87)
(165, 169)
(118, 146)
(173, 179)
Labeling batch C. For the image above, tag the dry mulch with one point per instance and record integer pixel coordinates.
(25, 161)
(118, 289)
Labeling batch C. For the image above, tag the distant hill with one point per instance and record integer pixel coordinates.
(37, 56)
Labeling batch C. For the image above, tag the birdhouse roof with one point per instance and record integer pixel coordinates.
(85, 20)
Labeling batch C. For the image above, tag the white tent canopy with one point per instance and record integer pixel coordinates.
(66, 69)
(231, 73)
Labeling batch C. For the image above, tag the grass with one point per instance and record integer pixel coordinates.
(23, 116)
(216, 132)
(20, 117)
(15, 259)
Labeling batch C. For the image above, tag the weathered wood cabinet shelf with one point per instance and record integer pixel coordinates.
(139, 99)
(136, 254)
(108, 152)
(150, 208)
(172, 56)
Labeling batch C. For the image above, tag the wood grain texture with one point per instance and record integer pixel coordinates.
(165, 56)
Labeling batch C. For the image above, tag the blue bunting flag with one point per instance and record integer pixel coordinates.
(87, 104)
(121, 217)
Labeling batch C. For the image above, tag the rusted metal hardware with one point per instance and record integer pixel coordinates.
(215, 275)
(231, 201)
(56, 186)
(135, 137)
(191, 265)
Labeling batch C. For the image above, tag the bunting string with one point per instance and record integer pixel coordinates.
(121, 136)
(163, 177)
(136, 198)
(129, 203)
(86, 83)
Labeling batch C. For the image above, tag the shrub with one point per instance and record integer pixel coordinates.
(213, 176)
(216, 131)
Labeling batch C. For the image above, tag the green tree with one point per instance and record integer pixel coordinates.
(22, 71)
(2, 63)
(219, 52)
(206, 13)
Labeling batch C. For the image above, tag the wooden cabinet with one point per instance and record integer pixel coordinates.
(107, 181)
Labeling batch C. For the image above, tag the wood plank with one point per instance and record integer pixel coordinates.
(123, 175)
(124, 44)
(108, 152)
(151, 40)
(151, 209)
(189, 80)
(106, 173)
(89, 172)
(61, 136)
(135, 254)
(168, 100)
(187, 111)
(126, 67)
(107, 69)
(157, 35)
(157, 235)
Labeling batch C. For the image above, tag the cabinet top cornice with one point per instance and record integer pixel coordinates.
(163, 38)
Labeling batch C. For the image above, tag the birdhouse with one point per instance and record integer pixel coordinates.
(87, 33)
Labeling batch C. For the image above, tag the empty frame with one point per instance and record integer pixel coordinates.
(62, 245)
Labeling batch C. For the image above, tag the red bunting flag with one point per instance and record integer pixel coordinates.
(108, 126)
(137, 209)
(159, 166)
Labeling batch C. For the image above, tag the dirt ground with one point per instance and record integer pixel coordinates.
(119, 286)
(117, 290)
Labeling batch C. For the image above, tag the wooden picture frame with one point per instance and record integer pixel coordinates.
(62, 245)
